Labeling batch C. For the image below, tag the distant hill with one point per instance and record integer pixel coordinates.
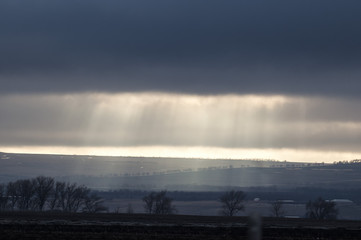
(321, 177)
(178, 173)
(24, 165)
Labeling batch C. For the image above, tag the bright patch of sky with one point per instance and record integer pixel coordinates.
(280, 127)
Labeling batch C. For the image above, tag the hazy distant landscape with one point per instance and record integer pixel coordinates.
(72, 165)
(195, 185)
(104, 173)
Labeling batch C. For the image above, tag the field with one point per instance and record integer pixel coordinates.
(347, 211)
(16, 225)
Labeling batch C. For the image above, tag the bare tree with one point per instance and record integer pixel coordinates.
(78, 198)
(232, 202)
(321, 209)
(12, 194)
(277, 209)
(33, 194)
(72, 197)
(69, 197)
(149, 201)
(25, 192)
(93, 204)
(3, 197)
(158, 203)
(43, 187)
(63, 196)
(56, 195)
(163, 204)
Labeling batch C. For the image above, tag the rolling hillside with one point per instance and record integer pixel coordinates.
(173, 173)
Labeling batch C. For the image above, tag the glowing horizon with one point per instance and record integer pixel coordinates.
(290, 155)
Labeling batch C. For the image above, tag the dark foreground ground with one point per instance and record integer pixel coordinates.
(122, 226)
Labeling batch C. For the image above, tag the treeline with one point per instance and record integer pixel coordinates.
(353, 163)
(178, 195)
(44, 193)
(302, 194)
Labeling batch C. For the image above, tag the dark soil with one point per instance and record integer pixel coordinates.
(29, 225)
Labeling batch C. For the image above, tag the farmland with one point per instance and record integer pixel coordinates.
(28, 225)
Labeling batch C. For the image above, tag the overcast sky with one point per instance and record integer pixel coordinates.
(284, 47)
(225, 74)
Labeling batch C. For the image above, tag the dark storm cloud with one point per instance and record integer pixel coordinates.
(288, 47)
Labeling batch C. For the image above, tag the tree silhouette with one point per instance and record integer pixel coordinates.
(12, 195)
(43, 187)
(232, 202)
(277, 209)
(72, 197)
(158, 203)
(93, 204)
(321, 209)
(56, 195)
(25, 192)
(42, 193)
(3, 197)
(149, 202)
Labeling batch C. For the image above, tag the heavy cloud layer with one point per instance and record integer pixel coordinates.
(204, 47)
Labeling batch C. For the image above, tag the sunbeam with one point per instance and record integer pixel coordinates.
(160, 124)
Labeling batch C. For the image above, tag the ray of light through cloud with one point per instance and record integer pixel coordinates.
(292, 128)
